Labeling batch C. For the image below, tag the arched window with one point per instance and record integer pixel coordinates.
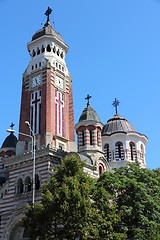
(58, 52)
(133, 153)
(10, 153)
(142, 152)
(62, 55)
(38, 51)
(119, 151)
(91, 137)
(37, 182)
(33, 53)
(19, 186)
(48, 48)
(54, 49)
(83, 142)
(107, 152)
(28, 184)
(42, 49)
(100, 169)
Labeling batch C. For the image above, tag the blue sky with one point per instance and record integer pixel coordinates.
(114, 51)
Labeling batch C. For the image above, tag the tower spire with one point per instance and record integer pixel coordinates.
(115, 104)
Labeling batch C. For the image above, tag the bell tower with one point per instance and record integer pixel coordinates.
(47, 102)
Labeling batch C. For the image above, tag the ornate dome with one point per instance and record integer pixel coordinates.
(89, 114)
(47, 30)
(10, 141)
(117, 124)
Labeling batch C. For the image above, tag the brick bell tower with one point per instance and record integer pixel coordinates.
(47, 102)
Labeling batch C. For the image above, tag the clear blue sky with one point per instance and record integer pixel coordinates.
(114, 51)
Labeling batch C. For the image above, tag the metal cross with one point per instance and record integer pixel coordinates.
(115, 104)
(48, 12)
(87, 98)
(12, 125)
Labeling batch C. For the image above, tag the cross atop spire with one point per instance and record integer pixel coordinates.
(115, 104)
(12, 125)
(87, 98)
(48, 13)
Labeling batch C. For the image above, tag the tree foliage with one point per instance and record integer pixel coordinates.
(117, 206)
(136, 193)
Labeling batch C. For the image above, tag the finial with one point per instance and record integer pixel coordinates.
(12, 125)
(48, 12)
(87, 98)
(115, 104)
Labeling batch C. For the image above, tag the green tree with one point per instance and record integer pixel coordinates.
(66, 209)
(136, 193)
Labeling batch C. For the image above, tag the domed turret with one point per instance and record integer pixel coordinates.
(8, 148)
(89, 114)
(117, 124)
(89, 129)
(10, 141)
(121, 143)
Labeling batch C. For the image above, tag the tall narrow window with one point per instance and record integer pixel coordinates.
(38, 51)
(131, 147)
(83, 138)
(133, 153)
(37, 182)
(107, 152)
(59, 113)
(54, 49)
(33, 53)
(35, 111)
(28, 184)
(142, 152)
(48, 48)
(119, 151)
(19, 186)
(91, 137)
(101, 169)
(42, 49)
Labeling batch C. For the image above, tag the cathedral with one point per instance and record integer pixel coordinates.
(47, 133)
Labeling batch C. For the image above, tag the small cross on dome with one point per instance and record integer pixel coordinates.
(115, 104)
(87, 98)
(12, 125)
(48, 13)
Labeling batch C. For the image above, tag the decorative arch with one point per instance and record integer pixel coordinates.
(119, 151)
(101, 168)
